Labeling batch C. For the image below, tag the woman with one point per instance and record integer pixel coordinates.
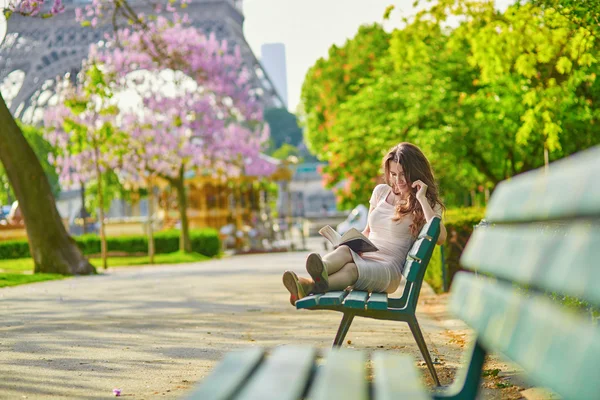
(399, 209)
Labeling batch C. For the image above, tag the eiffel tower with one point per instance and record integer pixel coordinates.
(37, 51)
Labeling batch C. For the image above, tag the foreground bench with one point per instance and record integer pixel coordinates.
(544, 243)
(294, 373)
(357, 303)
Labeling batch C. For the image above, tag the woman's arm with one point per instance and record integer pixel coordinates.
(427, 210)
(367, 229)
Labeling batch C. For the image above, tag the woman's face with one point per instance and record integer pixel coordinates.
(397, 179)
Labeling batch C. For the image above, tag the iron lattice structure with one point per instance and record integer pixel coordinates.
(37, 51)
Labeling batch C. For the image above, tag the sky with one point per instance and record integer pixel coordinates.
(309, 27)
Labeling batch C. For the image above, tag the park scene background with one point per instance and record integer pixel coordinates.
(170, 142)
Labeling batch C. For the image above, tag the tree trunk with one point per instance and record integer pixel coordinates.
(103, 251)
(51, 247)
(184, 238)
(150, 220)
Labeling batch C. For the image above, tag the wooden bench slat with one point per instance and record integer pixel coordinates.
(420, 249)
(561, 259)
(556, 348)
(356, 299)
(411, 270)
(396, 377)
(335, 298)
(378, 301)
(229, 375)
(343, 376)
(282, 376)
(569, 189)
(308, 301)
(430, 230)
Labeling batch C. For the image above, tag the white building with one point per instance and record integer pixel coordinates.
(272, 58)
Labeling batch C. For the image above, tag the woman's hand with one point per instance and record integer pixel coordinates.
(421, 190)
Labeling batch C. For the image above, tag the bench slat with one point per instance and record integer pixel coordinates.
(420, 249)
(560, 259)
(342, 377)
(396, 377)
(569, 189)
(282, 376)
(308, 301)
(356, 299)
(556, 348)
(231, 373)
(378, 301)
(430, 230)
(411, 270)
(335, 298)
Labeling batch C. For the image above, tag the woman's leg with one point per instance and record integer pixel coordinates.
(335, 260)
(298, 286)
(344, 277)
(319, 268)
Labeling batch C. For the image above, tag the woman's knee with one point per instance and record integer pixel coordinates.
(351, 270)
(344, 250)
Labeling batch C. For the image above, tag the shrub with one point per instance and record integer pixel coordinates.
(12, 249)
(204, 241)
(459, 223)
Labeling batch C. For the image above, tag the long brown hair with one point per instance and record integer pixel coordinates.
(416, 167)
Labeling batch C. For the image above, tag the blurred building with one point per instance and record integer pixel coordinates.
(309, 196)
(273, 60)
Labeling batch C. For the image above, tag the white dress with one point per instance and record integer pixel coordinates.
(381, 271)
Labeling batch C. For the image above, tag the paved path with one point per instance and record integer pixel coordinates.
(155, 331)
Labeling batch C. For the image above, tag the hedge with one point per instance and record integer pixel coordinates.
(459, 223)
(204, 241)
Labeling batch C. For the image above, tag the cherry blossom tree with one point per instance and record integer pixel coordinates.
(210, 122)
(83, 131)
(51, 247)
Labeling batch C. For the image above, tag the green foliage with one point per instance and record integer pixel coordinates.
(112, 188)
(285, 151)
(204, 241)
(459, 223)
(485, 101)
(284, 128)
(584, 13)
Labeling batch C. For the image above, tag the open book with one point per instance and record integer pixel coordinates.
(353, 239)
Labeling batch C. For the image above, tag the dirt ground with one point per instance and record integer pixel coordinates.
(154, 332)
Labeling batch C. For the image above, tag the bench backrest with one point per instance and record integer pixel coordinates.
(543, 244)
(417, 260)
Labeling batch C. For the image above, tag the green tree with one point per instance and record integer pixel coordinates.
(485, 101)
(284, 128)
(333, 80)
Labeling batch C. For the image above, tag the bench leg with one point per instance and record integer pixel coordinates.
(416, 331)
(343, 329)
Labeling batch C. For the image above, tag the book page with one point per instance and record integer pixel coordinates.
(330, 234)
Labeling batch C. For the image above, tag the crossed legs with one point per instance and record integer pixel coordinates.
(341, 268)
(335, 271)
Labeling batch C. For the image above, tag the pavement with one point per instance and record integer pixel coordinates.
(156, 331)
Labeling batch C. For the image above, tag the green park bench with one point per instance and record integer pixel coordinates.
(543, 242)
(378, 305)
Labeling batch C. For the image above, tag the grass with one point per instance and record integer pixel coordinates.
(21, 279)
(169, 258)
(18, 271)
